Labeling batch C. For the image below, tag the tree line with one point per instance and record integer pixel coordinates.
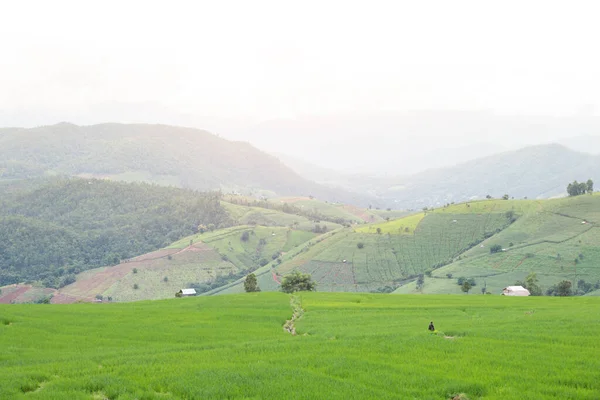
(578, 188)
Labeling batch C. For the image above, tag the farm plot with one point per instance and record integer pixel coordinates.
(402, 226)
(385, 259)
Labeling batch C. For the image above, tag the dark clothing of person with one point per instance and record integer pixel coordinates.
(431, 327)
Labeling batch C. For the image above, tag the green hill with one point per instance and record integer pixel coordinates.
(557, 239)
(442, 245)
(167, 155)
(60, 227)
(347, 346)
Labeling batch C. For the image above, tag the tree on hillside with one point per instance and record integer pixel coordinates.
(251, 284)
(495, 248)
(505, 197)
(465, 287)
(590, 186)
(298, 282)
(531, 284)
(245, 236)
(564, 288)
(420, 282)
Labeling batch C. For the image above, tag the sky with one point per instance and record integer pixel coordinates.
(89, 61)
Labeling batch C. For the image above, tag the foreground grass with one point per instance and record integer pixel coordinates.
(349, 346)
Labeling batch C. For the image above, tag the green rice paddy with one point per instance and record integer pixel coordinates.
(348, 346)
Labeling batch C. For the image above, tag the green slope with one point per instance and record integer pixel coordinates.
(541, 236)
(549, 239)
(348, 346)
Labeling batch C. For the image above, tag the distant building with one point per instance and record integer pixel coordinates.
(515, 291)
(186, 293)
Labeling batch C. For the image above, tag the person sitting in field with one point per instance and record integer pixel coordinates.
(431, 327)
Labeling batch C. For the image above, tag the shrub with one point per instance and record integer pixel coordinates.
(136, 286)
(360, 245)
(245, 236)
(134, 270)
(495, 248)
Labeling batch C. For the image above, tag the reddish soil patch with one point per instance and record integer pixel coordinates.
(8, 298)
(61, 298)
(275, 277)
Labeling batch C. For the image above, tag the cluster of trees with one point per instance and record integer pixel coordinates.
(578, 188)
(562, 288)
(57, 229)
(320, 229)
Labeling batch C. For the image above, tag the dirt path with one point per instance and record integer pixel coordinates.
(298, 312)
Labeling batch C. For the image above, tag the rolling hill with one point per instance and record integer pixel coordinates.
(167, 155)
(55, 228)
(557, 239)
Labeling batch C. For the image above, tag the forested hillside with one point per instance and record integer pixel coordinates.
(65, 226)
(183, 157)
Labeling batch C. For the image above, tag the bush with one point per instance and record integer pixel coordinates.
(136, 286)
(495, 248)
(135, 271)
(245, 236)
(360, 245)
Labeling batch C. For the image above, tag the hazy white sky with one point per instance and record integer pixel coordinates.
(265, 59)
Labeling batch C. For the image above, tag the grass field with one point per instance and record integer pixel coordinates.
(348, 346)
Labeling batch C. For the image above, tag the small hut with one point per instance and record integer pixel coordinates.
(515, 291)
(186, 293)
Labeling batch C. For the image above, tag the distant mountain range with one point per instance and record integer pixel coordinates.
(536, 172)
(182, 157)
(197, 159)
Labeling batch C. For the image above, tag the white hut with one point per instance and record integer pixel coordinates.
(515, 291)
(186, 292)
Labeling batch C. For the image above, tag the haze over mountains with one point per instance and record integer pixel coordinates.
(197, 159)
(388, 144)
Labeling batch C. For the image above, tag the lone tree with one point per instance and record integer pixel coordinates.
(495, 248)
(466, 286)
(251, 284)
(298, 282)
(531, 284)
(564, 288)
(590, 186)
(245, 236)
